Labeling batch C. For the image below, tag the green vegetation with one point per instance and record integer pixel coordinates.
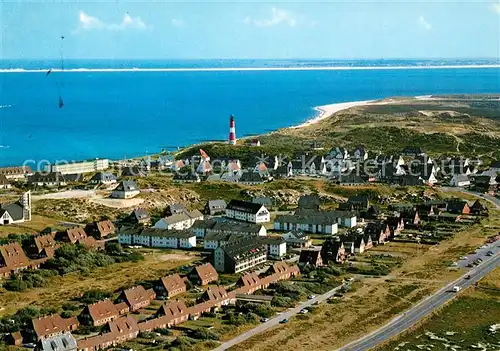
(70, 258)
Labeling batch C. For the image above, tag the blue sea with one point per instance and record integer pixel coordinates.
(117, 114)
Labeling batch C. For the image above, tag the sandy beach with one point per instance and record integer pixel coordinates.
(326, 111)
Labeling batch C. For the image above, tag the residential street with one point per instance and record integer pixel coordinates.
(422, 309)
(276, 320)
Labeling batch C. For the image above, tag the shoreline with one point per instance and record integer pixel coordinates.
(240, 69)
(326, 111)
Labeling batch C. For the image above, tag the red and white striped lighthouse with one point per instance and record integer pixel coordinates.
(232, 131)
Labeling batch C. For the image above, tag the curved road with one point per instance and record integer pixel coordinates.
(422, 309)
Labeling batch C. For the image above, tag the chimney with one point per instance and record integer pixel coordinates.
(232, 131)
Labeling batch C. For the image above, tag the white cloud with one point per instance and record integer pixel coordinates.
(87, 22)
(422, 22)
(128, 22)
(496, 7)
(278, 16)
(177, 22)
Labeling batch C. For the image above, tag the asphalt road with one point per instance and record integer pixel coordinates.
(422, 309)
(276, 320)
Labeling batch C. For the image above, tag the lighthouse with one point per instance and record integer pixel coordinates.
(232, 131)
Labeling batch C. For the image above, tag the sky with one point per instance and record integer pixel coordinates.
(119, 29)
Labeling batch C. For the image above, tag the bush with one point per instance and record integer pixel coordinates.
(205, 334)
(163, 331)
(280, 301)
(92, 296)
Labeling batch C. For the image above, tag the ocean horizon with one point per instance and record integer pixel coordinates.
(127, 108)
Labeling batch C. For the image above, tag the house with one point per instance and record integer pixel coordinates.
(297, 239)
(186, 178)
(137, 297)
(4, 182)
(134, 171)
(410, 216)
(255, 142)
(251, 178)
(16, 173)
(120, 330)
(239, 255)
(359, 153)
(485, 183)
(457, 206)
(333, 250)
(478, 208)
(247, 211)
(49, 326)
(176, 312)
(338, 153)
(427, 172)
(379, 232)
(276, 246)
(360, 202)
(215, 207)
(179, 221)
(460, 180)
(249, 283)
(127, 189)
(153, 237)
(140, 216)
(12, 259)
(309, 202)
(61, 342)
(352, 179)
(101, 229)
(105, 178)
(373, 212)
(239, 228)
(18, 212)
(72, 235)
(216, 295)
(396, 225)
(311, 223)
(47, 179)
(171, 286)
(284, 171)
(99, 313)
(311, 256)
(45, 242)
(203, 274)
(200, 228)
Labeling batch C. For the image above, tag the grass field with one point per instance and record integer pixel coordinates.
(157, 263)
(463, 323)
(37, 224)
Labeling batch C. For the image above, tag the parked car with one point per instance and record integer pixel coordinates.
(310, 297)
(467, 277)
(304, 311)
(283, 321)
(489, 253)
(264, 320)
(456, 288)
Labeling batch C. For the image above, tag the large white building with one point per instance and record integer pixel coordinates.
(247, 212)
(151, 237)
(80, 167)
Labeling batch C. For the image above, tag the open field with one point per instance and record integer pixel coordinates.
(464, 322)
(62, 289)
(376, 300)
(37, 224)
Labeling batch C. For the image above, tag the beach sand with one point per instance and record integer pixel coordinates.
(326, 111)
